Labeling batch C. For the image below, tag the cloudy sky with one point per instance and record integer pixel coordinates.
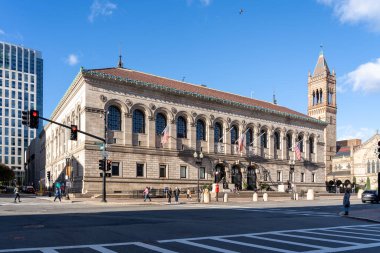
(249, 47)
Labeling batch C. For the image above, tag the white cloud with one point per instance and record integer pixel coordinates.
(2, 32)
(205, 2)
(72, 59)
(366, 77)
(349, 132)
(101, 8)
(356, 11)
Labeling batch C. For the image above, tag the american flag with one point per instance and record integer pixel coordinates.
(298, 151)
(241, 141)
(165, 135)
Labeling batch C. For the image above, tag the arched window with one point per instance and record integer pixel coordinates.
(138, 119)
(234, 134)
(378, 166)
(313, 98)
(276, 140)
(249, 137)
(114, 118)
(289, 143)
(373, 166)
(368, 167)
(300, 142)
(311, 145)
(321, 97)
(160, 123)
(218, 133)
(181, 127)
(317, 97)
(201, 130)
(264, 138)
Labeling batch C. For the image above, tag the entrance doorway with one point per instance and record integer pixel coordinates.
(220, 174)
(236, 177)
(251, 178)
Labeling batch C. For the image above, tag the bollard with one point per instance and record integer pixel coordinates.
(310, 194)
(225, 197)
(265, 196)
(296, 196)
(206, 196)
(360, 191)
(254, 197)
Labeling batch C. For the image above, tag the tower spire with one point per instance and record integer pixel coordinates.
(120, 63)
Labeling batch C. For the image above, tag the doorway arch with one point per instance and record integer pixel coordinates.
(236, 176)
(251, 178)
(220, 173)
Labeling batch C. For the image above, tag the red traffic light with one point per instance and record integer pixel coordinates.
(34, 114)
(74, 128)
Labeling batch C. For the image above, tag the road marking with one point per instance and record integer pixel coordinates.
(154, 248)
(344, 236)
(205, 246)
(356, 233)
(317, 239)
(252, 245)
(102, 249)
(286, 242)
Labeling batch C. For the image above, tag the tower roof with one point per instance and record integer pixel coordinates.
(321, 66)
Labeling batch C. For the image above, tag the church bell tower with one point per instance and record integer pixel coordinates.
(322, 104)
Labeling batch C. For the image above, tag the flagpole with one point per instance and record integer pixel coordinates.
(221, 138)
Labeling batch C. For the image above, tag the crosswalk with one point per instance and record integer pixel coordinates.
(313, 240)
(279, 211)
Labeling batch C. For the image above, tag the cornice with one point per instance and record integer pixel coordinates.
(94, 74)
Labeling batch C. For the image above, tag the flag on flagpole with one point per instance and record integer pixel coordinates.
(298, 152)
(241, 142)
(165, 135)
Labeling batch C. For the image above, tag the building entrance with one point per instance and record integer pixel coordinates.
(220, 174)
(236, 176)
(251, 178)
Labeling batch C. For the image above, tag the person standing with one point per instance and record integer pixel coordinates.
(17, 194)
(176, 194)
(346, 201)
(188, 194)
(217, 192)
(170, 195)
(57, 194)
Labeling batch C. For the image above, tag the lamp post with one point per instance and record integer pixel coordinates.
(198, 161)
(291, 171)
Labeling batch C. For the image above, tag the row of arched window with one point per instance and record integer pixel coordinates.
(318, 97)
(139, 125)
(373, 167)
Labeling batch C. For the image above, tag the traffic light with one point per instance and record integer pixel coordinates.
(109, 165)
(74, 133)
(378, 149)
(33, 118)
(48, 175)
(101, 164)
(25, 118)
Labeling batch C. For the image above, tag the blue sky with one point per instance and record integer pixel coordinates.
(270, 47)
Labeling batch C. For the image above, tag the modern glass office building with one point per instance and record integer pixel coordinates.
(21, 88)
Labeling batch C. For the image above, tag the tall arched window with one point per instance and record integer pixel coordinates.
(138, 119)
(289, 143)
(321, 97)
(300, 142)
(201, 130)
(264, 138)
(218, 133)
(368, 167)
(181, 127)
(249, 137)
(317, 97)
(276, 140)
(313, 98)
(234, 134)
(160, 123)
(114, 118)
(311, 145)
(378, 166)
(373, 166)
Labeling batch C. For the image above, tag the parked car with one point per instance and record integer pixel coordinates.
(370, 195)
(30, 189)
(3, 189)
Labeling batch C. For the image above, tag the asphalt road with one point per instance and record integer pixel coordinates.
(36, 225)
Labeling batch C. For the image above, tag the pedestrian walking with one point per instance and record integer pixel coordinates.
(17, 194)
(170, 195)
(188, 194)
(57, 194)
(146, 194)
(346, 201)
(176, 194)
(217, 192)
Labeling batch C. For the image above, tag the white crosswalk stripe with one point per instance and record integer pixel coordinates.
(312, 240)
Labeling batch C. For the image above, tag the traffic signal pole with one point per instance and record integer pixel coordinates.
(95, 137)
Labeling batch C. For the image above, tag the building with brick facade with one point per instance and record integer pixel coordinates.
(246, 143)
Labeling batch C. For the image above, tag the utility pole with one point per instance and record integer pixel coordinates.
(104, 199)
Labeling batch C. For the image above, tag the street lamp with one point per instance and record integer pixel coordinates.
(198, 161)
(291, 171)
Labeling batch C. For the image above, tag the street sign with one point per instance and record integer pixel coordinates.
(105, 154)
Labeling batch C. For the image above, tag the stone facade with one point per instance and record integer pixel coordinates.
(139, 159)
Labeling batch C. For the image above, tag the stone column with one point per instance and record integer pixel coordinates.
(227, 141)
(295, 140)
(128, 129)
(283, 144)
(151, 133)
(193, 135)
(306, 145)
(211, 142)
(173, 135)
(257, 141)
(271, 143)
